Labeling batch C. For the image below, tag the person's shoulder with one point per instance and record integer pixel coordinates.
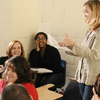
(51, 47)
(4, 57)
(2, 82)
(33, 50)
(27, 84)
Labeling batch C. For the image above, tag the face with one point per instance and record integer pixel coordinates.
(42, 40)
(88, 13)
(11, 75)
(16, 49)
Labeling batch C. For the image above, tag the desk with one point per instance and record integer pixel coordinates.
(42, 70)
(45, 94)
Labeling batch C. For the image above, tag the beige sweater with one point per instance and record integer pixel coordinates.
(89, 53)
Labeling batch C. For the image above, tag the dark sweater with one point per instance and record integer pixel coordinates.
(2, 61)
(51, 59)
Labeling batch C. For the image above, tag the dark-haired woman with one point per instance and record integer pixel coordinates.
(18, 72)
(46, 56)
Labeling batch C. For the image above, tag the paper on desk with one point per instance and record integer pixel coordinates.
(42, 70)
(54, 43)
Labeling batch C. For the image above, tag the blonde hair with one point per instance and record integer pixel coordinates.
(94, 5)
(10, 45)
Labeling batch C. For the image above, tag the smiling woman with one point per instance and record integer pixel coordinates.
(18, 72)
(14, 48)
(46, 56)
(88, 51)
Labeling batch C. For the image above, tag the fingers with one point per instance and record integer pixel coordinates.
(93, 91)
(60, 43)
(66, 35)
(37, 46)
(95, 96)
(1, 66)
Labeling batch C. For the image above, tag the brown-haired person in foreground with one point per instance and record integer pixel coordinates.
(14, 48)
(15, 92)
(88, 51)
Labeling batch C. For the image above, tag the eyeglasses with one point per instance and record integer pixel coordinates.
(41, 39)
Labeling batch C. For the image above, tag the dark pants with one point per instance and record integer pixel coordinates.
(85, 91)
(43, 79)
(72, 91)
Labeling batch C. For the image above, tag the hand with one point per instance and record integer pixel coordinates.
(37, 46)
(61, 44)
(68, 41)
(95, 96)
(1, 68)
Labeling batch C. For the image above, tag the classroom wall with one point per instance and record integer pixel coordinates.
(57, 17)
(19, 19)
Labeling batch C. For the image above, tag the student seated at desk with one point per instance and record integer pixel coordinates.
(14, 48)
(46, 56)
(18, 72)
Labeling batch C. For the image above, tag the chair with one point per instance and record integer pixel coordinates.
(63, 64)
(62, 83)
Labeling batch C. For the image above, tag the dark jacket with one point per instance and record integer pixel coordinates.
(2, 61)
(51, 59)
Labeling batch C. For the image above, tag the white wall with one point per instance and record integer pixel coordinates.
(57, 17)
(19, 19)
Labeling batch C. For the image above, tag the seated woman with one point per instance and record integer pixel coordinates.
(46, 56)
(14, 48)
(18, 72)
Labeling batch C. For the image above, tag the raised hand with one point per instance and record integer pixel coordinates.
(37, 46)
(95, 96)
(68, 41)
(61, 43)
(1, 68)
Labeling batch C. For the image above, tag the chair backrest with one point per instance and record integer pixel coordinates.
(63, 63)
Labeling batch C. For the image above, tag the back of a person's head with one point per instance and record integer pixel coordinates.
(15, 92)
(97, 85)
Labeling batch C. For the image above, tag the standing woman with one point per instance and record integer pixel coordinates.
(14, 48)
(46, 56)
(88, 51)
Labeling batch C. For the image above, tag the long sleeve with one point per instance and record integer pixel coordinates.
(51, 59)
(92, 51)
(56, 66)
(2, 61)
(33, 58)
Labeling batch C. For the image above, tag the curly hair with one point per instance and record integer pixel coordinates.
(22, 69)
